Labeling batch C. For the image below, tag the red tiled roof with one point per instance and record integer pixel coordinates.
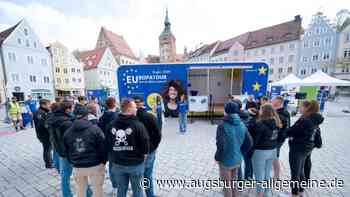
(283, 32)
(91, 58)
(227, 44)
(4, 34)
(118, 44)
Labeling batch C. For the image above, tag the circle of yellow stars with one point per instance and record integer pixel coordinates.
(262, 71)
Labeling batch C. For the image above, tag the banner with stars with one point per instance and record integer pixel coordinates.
(255, 80)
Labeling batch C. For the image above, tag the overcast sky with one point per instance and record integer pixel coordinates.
(76, 23)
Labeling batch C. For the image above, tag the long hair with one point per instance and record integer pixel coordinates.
(177, 85)
(268, 113)
(311, 107)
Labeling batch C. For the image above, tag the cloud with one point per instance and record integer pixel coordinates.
(76, 24)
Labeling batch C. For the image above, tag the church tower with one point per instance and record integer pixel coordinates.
(167, 43)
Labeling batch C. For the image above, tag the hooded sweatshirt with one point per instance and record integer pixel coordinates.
(302, 133)
(85, 144)
(230, 136)
(106, 119)
(265, 135)
(127, 141)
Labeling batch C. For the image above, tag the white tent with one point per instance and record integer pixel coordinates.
(290, 80)
(322, 79)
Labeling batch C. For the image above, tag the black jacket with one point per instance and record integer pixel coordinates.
(265, 134)
(285, 120)
(84, 144)
(251, 105)
(127, 141)
(106, 119)
(41, 127)
(152, 127)
(302, 133)
(58, 123)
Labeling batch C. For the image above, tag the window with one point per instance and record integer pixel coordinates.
(347, 53)
(46, 80)
(272, 50)
(305, 59)
(15, 77)
(34, 44)
(12, 57)
(57, 69)
(73, 70)
(281, 48)
(306, 44)
(291, 58)
(292, 46)
(43, 62)
(325, 70)
(316, 43)
(19, 41)
(65, 70)
(347, 37)
(27, 43)
(30, 60)
(318, 31)
(32, 78)
(280, 60)
(271, 71)
(315, 58)
(235, 53)
(256, 52)
(78, 70)
(326, 56)
(303, 72)
(248, 53)
(74, 80)
(263, 51)
(313, 70)
(290, 69)
(66, 80)
(122, 61)
(280, 70)
(79, 80)
(26, 32)
(328, 41)
(272, 60)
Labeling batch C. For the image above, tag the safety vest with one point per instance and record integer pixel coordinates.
(14, 108)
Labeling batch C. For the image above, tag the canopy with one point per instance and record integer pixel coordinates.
(322, 79)
(290, 80)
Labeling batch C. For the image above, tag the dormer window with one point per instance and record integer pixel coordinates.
(26, 32)
(19, 41)
(27, 43)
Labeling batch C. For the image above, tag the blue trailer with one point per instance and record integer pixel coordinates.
(215, 80)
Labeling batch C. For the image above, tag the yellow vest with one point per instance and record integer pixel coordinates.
(14, 108)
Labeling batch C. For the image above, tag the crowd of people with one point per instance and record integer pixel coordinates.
(255, 136)
(84, 140)
(121, 141)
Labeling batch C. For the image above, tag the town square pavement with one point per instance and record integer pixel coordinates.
(189, 156)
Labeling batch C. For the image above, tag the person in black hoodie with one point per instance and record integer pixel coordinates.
(60, 121)
(84, 144)
(265, 142)
(277, 104)
(301, 142)
(128, 146)
(154, 132)
(106, 119)
(40, 120)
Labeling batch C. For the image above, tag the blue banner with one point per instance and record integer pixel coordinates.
(275, 91)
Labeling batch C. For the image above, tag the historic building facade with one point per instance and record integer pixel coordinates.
(167, 43)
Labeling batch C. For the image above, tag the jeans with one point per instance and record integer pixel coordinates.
(47, 152)
(126, 174)
(307, 167)
(149, 163)
(111, 176)
(248, 169)
(262, 166)
(297, 164)
(66, 170)
(183, 122)
(56, 160)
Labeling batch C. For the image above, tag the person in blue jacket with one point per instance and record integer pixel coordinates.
(32, 107)
(231, 135)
